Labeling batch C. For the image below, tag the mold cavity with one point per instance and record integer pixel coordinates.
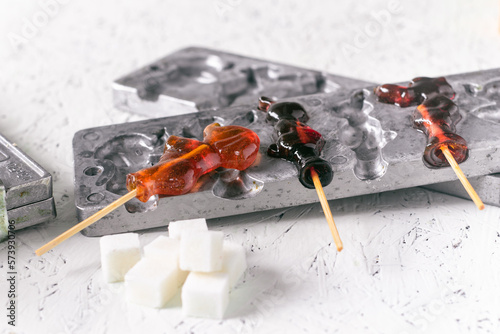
(135, 205)
(245, 119)
(229, 65)
(93, 171)
(330, 86)
(180, 72)
(194, 128)
(364, 135)
(86, 154)
(91, 136)
(481, 101)
(198, 69)
(127, 154)
(338, 160)
(282, 82)
(265, 103)
(234, 184)
(206, 78)
(313, 102)
(216, 63)
(95, 197)
(127, 150)
(108, 170)
(273, 72)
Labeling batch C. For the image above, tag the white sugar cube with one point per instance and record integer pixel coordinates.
(151, 282)
(119, 253)
(205, 295)
(234, 262)
(163, 247)
(166, 249)
(176, 228)
(201, 251)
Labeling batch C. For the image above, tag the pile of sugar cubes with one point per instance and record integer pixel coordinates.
(192, 258)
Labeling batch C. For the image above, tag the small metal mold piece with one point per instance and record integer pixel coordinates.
(33, 214)
(278, 186)
(27, 187)
(26, 181)
(196, 78)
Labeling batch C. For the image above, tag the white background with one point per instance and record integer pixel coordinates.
(415, 261)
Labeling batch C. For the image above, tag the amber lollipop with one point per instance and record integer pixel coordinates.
(302, 145)
(436, 116)
(233, 147)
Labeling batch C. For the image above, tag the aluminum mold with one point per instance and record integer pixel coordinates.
(198, 78)
(28, 187)
(25, 181)
(230, 71)
(33, 214)
(104, 155)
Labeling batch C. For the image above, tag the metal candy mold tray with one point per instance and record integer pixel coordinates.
(197, 78)
(28, 187)
(389, 157)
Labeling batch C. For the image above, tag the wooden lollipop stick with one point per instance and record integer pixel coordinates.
(326, 210)
(87, 222)
(461, 176)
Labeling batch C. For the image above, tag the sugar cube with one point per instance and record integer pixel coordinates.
(201, 251)
(119, 253)
(205, 295)
(163, 247)
(166, 250)
(233, 262)
(151, 282)
(176, 228)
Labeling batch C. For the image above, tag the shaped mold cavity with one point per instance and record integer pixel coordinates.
(245, 119)
(103, 171)
(181, 72)
(135, 205)
(236, 84)
(273, 80)
(125, 154)
(128, 150)
(234, 184)
(194, 127)
(481, 101)
(364, 135)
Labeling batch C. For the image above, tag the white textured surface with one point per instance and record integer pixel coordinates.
(414, 261)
